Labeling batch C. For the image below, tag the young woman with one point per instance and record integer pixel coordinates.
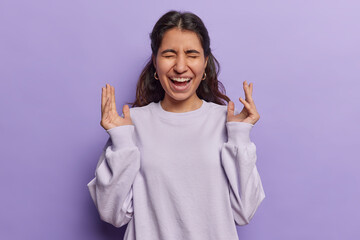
(179, 164)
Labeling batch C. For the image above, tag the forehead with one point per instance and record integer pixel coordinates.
(178, 38)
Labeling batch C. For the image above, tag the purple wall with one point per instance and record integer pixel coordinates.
(302, 56)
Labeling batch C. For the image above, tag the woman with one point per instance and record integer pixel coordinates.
(179, 164)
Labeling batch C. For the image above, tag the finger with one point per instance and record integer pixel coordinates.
(113, 103)
(244, 112)
(247, 91)
(245, 103)
(230, 109)
(108, 93)
(103, 98)
(126, 111)
(249, 107)
(251, 86)
(106, 109)
(111, 106)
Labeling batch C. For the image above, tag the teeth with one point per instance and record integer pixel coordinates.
(180, 79)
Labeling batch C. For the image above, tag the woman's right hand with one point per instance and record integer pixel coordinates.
(109, 116)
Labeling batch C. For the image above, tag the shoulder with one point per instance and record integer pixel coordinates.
(216, 108)
(135, 111)
(220, 109)
(216, 112)
(141, 111)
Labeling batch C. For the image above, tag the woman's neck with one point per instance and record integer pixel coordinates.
(187, 105)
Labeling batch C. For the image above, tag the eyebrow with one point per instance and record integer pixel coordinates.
(173, 51)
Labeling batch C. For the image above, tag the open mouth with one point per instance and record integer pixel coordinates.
(180, 84)
(180, 80)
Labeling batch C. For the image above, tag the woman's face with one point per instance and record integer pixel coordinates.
(180, 57)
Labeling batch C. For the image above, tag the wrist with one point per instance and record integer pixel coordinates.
(122, 136)
(239, 132)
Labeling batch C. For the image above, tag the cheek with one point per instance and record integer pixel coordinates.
(198, 67)
(164, 66)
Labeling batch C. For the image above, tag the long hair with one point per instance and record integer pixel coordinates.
(150, 90)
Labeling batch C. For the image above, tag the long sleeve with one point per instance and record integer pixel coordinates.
(238, 156)
(111, 189)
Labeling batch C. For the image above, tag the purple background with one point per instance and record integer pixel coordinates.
(302, 56)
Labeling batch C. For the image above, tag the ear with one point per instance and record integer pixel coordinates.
(153, 60)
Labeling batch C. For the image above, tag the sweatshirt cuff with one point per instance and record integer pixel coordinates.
(122, 136)
(238, 132)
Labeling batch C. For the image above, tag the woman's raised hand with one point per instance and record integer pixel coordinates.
(109, 116)
(249, 113)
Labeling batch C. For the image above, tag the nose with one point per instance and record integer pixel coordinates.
(180, 64)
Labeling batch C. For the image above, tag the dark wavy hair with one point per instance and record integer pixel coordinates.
(150, 90)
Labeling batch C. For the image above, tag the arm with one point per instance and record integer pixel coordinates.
(238, 156)
(111, 189)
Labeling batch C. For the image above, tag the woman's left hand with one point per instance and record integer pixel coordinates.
(249, 113)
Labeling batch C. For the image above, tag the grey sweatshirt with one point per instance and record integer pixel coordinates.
(178, 176)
